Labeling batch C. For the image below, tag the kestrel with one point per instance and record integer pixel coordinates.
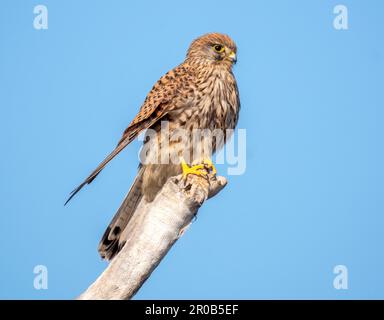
(200, 93)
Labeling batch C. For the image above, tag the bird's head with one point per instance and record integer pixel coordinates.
(213, 48)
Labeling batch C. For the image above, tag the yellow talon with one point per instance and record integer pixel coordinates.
(198, 170)
(209, 164)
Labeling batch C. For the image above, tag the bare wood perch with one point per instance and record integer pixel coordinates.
(153, 230)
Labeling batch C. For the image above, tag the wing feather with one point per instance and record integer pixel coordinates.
(160, 100)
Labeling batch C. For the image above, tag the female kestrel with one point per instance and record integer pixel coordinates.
(200, 93)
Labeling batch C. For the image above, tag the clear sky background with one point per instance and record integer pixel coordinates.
(312, 104)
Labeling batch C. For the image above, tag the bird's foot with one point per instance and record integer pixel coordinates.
(208, 164)
(198, 170)
(201, 170)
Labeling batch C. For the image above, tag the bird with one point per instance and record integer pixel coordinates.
(201, 93)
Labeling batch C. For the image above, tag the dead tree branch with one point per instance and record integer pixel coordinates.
(153, 230)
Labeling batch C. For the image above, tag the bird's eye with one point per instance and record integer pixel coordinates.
(218, 48)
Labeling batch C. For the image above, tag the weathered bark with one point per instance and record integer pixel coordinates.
(151, 233)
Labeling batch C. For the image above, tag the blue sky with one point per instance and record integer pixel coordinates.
(312, 104)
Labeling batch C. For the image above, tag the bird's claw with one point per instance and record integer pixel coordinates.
(208, 164)
(198, 170)
(201, 170)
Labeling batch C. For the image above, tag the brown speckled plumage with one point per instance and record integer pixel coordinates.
(200, 93)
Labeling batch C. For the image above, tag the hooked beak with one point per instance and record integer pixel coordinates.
(233, 57)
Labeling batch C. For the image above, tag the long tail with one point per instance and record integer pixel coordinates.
(101, 166)
(129, 135)
(111, 242)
